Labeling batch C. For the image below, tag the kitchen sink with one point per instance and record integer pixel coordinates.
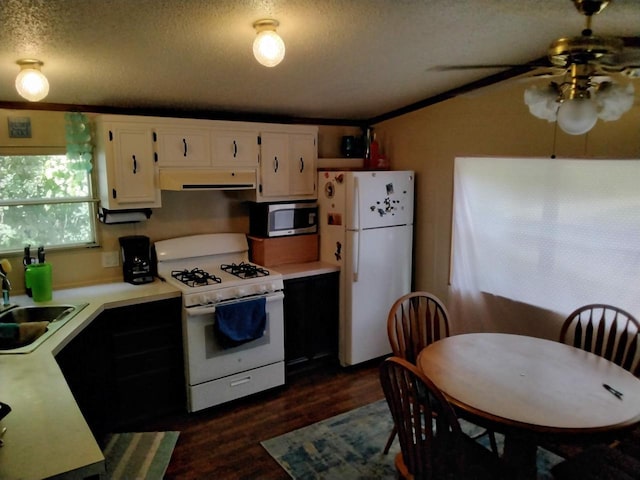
(36, 324)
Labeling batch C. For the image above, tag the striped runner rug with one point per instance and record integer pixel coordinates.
(143, 455)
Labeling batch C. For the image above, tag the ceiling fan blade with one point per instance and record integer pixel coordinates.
(444, 68)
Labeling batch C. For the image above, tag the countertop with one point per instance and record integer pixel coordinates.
(46, 434)
(307, 269)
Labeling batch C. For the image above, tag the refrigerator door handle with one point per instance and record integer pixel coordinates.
(355, 207)
(356, 255)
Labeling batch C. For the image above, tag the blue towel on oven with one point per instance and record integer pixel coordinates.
(240, 322)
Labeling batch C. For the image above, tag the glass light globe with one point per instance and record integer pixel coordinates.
(32, 84)
(268, 48)
(577, 115)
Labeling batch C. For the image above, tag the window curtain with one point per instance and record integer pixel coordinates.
(535, 238)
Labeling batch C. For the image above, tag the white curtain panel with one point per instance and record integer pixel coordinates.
(535, 238)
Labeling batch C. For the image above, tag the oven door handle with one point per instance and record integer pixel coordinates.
(210, 309)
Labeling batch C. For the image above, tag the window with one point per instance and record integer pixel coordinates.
(45, 200)
(552, 233)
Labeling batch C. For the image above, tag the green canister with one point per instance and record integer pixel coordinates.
(38, 277)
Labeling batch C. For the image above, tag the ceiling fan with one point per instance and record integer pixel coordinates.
(610, 54)
(587, 64)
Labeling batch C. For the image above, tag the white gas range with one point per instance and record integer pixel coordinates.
(228, 352)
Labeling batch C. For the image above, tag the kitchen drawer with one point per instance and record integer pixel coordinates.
(148, 361)
(235, 386)
(137, 341)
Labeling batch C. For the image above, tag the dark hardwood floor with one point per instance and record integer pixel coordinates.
(223, 442)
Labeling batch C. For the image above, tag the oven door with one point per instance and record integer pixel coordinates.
(207, 360)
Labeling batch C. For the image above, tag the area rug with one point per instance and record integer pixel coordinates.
(349, 446)
(143, 455)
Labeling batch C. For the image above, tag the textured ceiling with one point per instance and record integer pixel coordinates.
(345, 59)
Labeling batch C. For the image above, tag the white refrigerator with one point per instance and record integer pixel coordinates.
(366, 228)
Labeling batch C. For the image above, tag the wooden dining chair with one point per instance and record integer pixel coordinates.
(432, 444)
(607, 331)
(604, 330)
(415, 321)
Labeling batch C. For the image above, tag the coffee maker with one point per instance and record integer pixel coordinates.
(137, 266)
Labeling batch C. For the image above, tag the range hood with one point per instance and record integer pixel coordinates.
(207, 179)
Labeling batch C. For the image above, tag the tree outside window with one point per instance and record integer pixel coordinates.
(45, 200)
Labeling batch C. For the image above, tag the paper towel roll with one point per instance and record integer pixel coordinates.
(123, 216)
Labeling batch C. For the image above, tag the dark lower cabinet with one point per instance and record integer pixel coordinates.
(311, 310)
(85, 363)
(147, 362)
(127, 366)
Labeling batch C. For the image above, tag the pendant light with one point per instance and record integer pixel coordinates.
(268, 47)
(31, 82)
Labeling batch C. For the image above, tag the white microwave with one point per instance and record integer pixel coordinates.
(280, 219)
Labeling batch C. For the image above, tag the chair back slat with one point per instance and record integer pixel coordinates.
(626, 349)
(416, 320)
(632, 351)
(612, 334)
(588, 332)
(617, 334)
(577, 337)
(600, 335)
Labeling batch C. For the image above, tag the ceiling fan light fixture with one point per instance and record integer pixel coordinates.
(576, 116)
(614, 100)
(542, 102)
(268, 47)
(31, 83)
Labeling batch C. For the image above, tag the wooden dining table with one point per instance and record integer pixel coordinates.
(533, 390)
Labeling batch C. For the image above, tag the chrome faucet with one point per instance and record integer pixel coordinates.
(6, 286)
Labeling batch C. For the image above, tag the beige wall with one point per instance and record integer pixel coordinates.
(493, 122)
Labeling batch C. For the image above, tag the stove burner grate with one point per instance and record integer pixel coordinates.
(244, 270)
(195, 277)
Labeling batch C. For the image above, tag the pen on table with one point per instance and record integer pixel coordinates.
(613, 391)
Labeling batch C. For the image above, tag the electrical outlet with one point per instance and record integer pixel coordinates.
(110, 259)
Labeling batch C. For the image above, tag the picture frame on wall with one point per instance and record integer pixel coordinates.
(19, 127)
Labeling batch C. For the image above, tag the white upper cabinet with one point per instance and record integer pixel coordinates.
(288, 165)
(235, 148)
(127, 171)
(183, 146)
(302, 164)
(274, 166)
(138, 156)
